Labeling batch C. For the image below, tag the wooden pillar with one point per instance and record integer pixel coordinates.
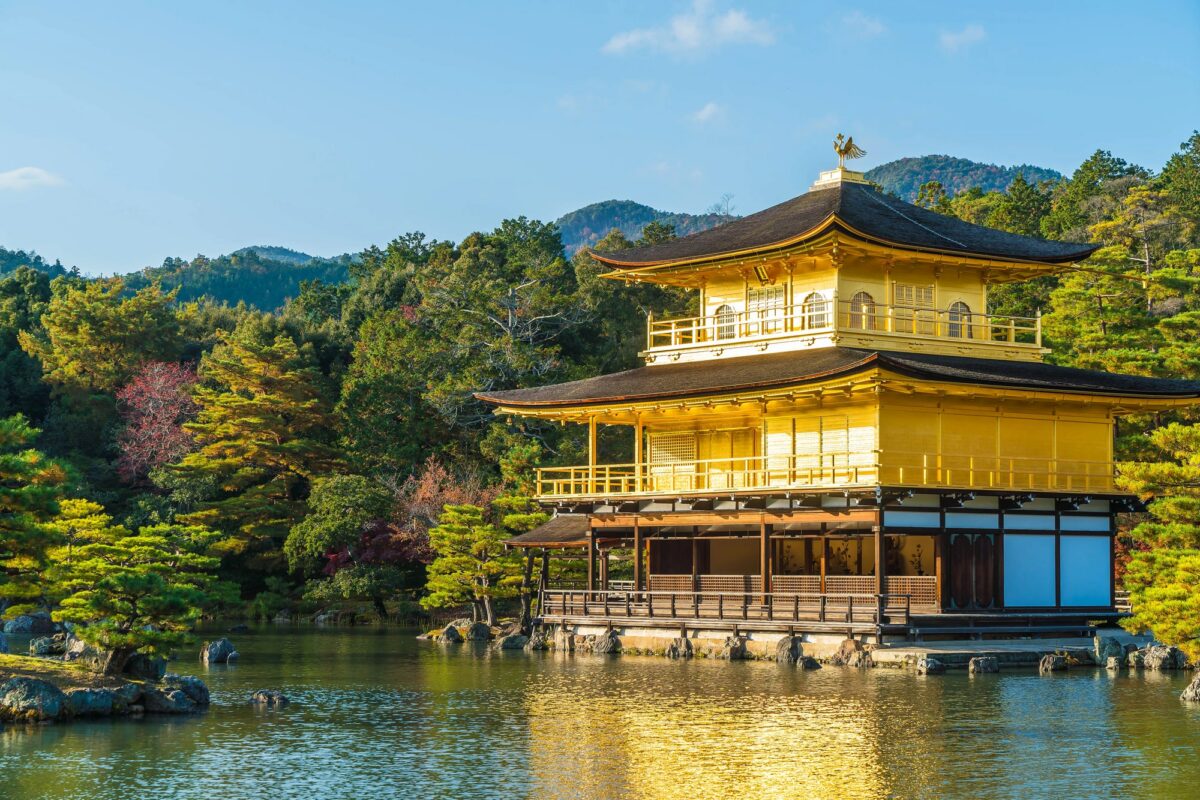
(593, 447)
(695, 558)
(604, 570)
(637, 454)
(637, 556)
(824, 559)
(939, 569)
(880, 561)
(591, 560)
(527, 594)
(764, 557)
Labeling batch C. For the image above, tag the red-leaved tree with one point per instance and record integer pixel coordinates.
(154, 405)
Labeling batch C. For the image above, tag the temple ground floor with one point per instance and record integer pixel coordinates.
(908, 566)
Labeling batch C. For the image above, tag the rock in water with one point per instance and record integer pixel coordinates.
(513, 641)
(1113, 664)
(789, 650)
(734, 649)
(240, 628)
(216, 652)
(607, 642)
(91, 702)
(848, 651)
(478, 632)
(1105, 647)
(564, 639)
(36, 624)
(930, 666)
(808, 662)
(3, 645)
(450, 635)
(167, 700)
(680, 647)
(981, 665)
(1192, 693)
(269, 698)
(1052, 662)
(192, 686)
(31, 700)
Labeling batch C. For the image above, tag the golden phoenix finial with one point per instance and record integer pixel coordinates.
(846, 148)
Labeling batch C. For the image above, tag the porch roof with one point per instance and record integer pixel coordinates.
(563, 530)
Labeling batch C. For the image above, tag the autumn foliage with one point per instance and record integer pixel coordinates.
(154, 406)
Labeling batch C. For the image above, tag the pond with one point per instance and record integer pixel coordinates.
(377, 714)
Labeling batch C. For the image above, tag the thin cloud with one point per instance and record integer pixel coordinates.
(21, 178)
(697, 29)
(957, 41)
(862, 26)
(708, 113)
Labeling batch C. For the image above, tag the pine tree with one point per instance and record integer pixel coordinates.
(471, 564)
(30, 488)
(139, 593)
(261, 437)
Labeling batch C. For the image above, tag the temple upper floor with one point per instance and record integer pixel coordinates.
(844, 265)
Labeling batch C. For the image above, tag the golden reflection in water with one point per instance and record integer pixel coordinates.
(721, 738)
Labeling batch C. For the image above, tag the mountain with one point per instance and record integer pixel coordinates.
(590, 224)
(904, 176)
(263, 277)
(273, 253)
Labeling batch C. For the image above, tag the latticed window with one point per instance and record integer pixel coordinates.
(766, 305)
(862, 311)
(960, 320)
(673, 461)
(913, 308)
(815, 311)
(726, 320)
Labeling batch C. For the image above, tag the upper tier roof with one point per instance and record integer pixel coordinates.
(859, 209)
(778, 370)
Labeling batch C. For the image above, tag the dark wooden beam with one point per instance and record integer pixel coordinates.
(868, 516)
(637, 556)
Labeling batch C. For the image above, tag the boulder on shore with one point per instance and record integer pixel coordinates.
(564, 639)
(733, 649)
(167, 699)
(449, 635)
(31, 700)
(680, 647)
(1106, 647)
(478, 632)
(1113, 664)
(851, 653)
(1163, 657)
(91, 702)
(190, 685)
(1192, 693)
(512, 641)
(607, 642)
(981, 665)
(217, 652)
(269, 698)
(46, 646)
(930, 666)
(539, 640)
(1052, 662)
(149, 668)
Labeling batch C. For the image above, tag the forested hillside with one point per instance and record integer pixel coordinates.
(10, 260)
(303, 457)
(590, 224)
(904, 176)
(263, 277)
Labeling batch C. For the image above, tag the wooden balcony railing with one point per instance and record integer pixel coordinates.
(843, 315)
(869, 610)
(826, 470)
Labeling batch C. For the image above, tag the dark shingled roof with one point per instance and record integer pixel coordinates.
(862, 208)
(564, 530)
(777, 370)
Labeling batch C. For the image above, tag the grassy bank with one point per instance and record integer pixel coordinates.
(64, 676)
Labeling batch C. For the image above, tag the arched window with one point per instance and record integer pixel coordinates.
(815, 311)
(960, 321)
(862, 312)
(726, 322)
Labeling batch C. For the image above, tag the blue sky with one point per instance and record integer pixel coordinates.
(134, 131)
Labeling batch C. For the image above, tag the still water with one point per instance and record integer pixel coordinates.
(377, 714)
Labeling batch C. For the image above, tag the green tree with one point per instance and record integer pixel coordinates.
(1163, 579)
(30, 488)
(471, 563)
(932, 195)
(262, 436)
(24, 294)
(1180, 180)
(139, 593)
(341, 507)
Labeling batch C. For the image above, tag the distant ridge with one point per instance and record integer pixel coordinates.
(590, 224)
(903, 177)
(274, 253)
